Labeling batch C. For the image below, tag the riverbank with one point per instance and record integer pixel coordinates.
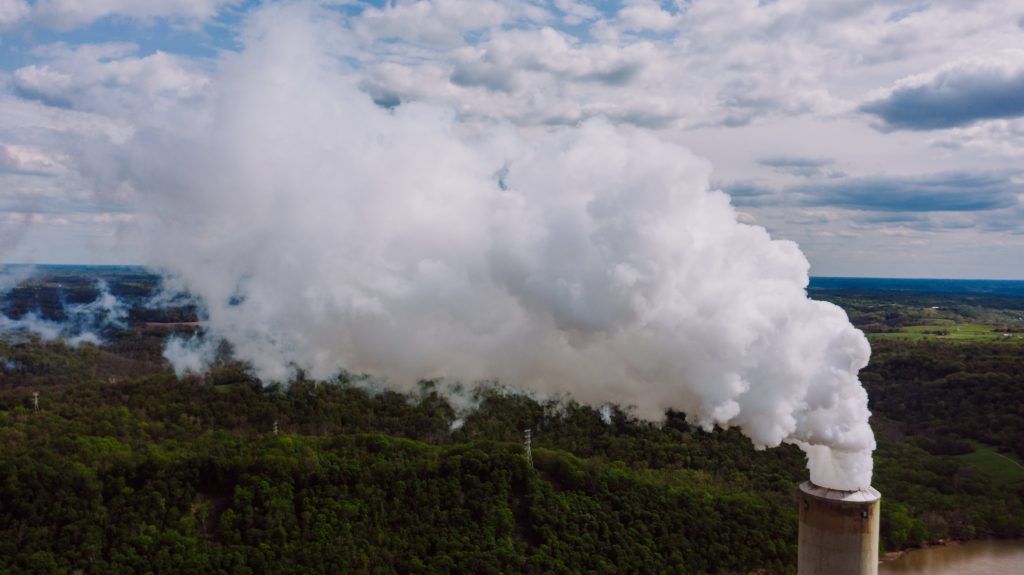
(893, 555)
(977, 557)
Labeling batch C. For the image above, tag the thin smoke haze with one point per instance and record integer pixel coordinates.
(81, 323)
(322, 232)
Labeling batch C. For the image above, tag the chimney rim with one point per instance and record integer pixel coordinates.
(866, 495)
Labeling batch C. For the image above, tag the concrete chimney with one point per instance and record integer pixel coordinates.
(838, 531)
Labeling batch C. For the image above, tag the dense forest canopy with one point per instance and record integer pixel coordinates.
(126, 468)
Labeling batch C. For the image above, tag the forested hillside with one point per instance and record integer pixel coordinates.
(188, 477)
(126, 469)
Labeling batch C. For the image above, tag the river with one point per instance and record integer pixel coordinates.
(991, 557)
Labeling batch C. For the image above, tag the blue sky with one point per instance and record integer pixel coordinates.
(886, 138)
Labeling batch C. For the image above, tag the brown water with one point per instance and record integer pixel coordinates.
(973, 558)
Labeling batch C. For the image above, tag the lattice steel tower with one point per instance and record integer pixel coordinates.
(527, 446)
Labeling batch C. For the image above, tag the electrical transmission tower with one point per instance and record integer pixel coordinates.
(527, 446)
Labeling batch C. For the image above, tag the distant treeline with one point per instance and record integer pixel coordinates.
(46, 292)
(879, 311)
(943, 393)
(904, 288)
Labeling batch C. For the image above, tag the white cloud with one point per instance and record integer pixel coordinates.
(110, 78)
(537, 76)
(66, 14)
(576, 12)
(735, 80)
(33, 121)
(1000, 138)
(441, 23)
(12, 11)
(30, 160)
(646, 15)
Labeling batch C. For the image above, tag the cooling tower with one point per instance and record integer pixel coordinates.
(838, 531)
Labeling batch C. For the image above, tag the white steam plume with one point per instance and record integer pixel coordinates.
(191, 355)
(323, 232)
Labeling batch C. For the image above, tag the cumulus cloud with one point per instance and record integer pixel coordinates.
(737, 80)
(574, 12)
(717, 64)
(536, 76)
(66, 110)
(441, 23)
(109, 78)
(28, 160)
(498, 64)
(639, 15)
(41, 151)
(12, 11)
(33, 121)
(954, 95)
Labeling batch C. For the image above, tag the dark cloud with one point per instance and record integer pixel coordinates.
(955, 96)
(618, 75)
(485, 75)
(27, 91)
(643, 118)
(1001, 221)
(794, 162)
(934, 222)
(947, 192)
(634, 116)
(748, 194)
(904, 13)
(502, 76)
(1010, 221)
(387, 101)
(889, 218)
(28, 204)
(742, 104)
(801, 166)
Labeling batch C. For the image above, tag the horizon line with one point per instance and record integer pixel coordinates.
(813, 276)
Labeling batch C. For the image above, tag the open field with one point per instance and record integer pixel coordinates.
(1003, 467)
(949, 331)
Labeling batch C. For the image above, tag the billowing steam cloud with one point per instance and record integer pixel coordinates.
(323, 232)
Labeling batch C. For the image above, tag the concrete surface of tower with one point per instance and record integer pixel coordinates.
(838, 531)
